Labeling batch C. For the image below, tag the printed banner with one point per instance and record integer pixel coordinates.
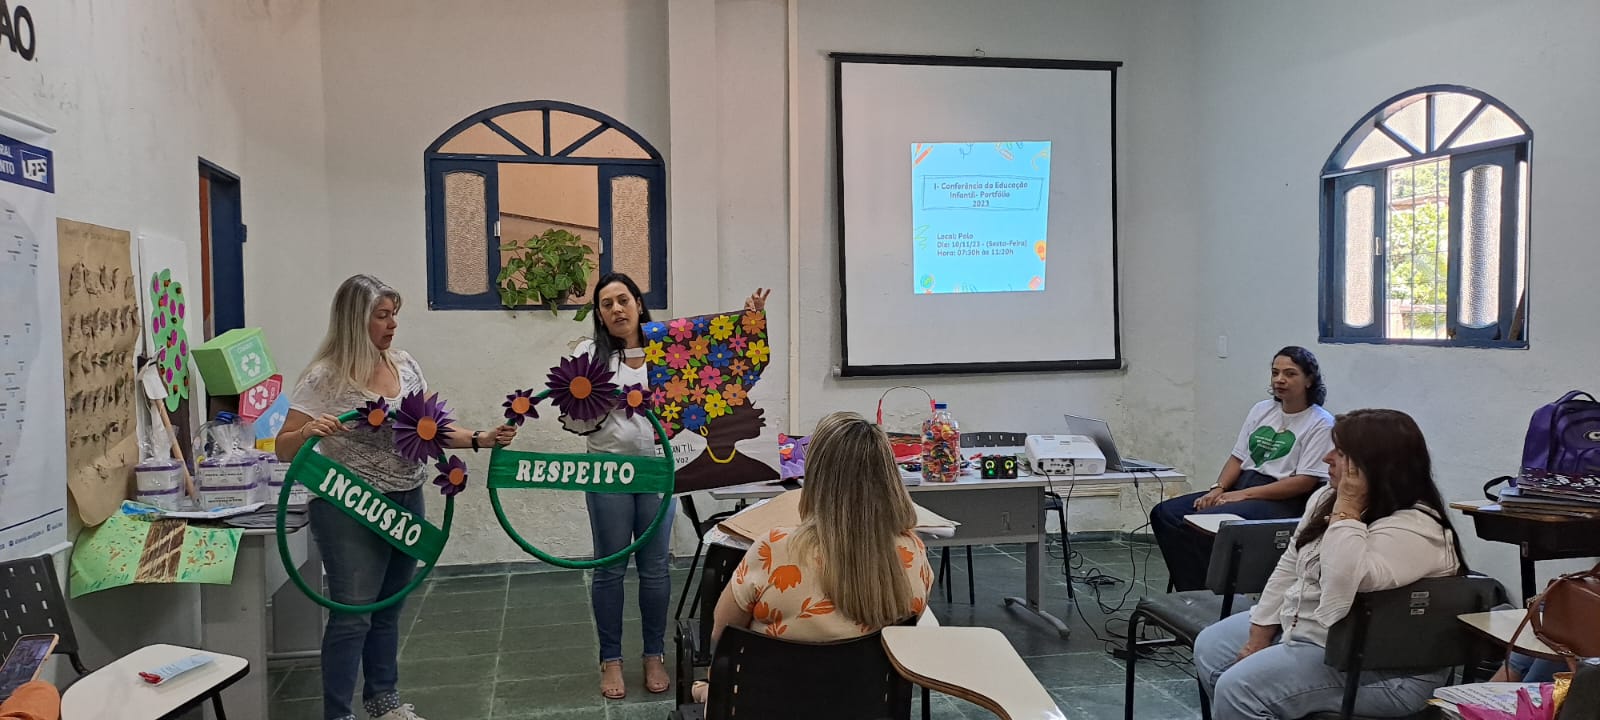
(336, 483)
(589, 473)
(705, 377)
(33, 442)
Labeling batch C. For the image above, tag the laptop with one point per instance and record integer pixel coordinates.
(1101, 433)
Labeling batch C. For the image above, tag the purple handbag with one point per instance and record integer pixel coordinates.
(1564, 437)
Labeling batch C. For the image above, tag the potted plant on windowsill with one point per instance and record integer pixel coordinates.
(546, 269)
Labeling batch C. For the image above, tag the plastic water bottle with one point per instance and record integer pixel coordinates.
(941, 446)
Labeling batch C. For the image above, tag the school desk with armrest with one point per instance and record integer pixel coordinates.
(972, 663)
(1537, 537)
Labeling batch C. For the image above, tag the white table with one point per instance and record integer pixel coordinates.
(972, 663)
(234, 617)
(116, 691)
(1501, 626)
(1209, 523)
(989, 511)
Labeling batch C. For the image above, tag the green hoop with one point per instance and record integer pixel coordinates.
(616, 557)
(301, 458)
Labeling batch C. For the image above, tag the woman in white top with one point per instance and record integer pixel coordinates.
(1276, 464)
(1379, 525)
(617, 519)
(356, 364)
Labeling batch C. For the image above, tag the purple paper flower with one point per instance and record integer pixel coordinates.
(582, 388)
(520, 406)
(635, 399)
(452, 476)
(374, 414)
(419, 427)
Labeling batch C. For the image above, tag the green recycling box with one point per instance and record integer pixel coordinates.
(234, 361)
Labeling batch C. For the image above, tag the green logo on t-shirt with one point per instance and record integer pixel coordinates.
(1267, 444)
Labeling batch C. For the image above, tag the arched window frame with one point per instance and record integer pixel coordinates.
(437, 164)
(1510, 154)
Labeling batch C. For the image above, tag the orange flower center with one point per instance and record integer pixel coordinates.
(427, 429)
(635, 398)
(521, 405)
(458, 476)
(580, 388)
(375, 418)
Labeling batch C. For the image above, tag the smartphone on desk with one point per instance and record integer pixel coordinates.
(24, 661)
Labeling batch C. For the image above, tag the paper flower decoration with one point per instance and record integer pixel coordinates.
(635, 399)
(419, 426)
(707, 367)
(374, 414)
(582, 387)
(452, 476)
(520, 406)
(655, 330)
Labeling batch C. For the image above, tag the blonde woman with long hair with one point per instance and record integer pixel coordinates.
(356, 364)
(853, 566)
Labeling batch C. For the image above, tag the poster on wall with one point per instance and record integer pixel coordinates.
(167, 317)
(33, 501)
(99, 337)
(705, 375)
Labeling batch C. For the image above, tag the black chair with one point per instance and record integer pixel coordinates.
(755, 676)
(692, 639)
(1410, 628)
(700, 529)
(31, 604)
(1242, 559)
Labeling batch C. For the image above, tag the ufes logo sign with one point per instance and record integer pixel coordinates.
(16, 28)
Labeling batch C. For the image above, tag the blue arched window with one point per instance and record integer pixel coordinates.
(1425, 223)
(511, 172)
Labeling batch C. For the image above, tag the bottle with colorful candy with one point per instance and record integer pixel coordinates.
(941, 446)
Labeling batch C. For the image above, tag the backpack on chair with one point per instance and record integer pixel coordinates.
(1563, 439)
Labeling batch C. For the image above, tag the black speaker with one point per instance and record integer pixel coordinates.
(999, 467)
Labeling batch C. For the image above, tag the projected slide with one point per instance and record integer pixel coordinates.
(979, 214)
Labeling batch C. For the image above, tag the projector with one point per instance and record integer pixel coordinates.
(1065, 455)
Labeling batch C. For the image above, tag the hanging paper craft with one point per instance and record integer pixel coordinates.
(419, 432)
(703, 374)
(583, 389)
(171, 339)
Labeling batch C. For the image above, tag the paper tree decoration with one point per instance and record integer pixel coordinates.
(168, 309)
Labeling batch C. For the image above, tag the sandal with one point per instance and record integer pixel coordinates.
(656, 679)
(611, 685)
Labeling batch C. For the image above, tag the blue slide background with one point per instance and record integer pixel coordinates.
(979, 215)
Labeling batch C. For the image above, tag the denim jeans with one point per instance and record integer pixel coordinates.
(361, 568)
(1291, 680)
(615, 521)
(1187, 550)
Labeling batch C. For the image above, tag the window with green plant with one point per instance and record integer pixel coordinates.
(1425, 224)
(529, 203)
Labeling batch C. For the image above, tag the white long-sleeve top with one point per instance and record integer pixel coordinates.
(1312, 587)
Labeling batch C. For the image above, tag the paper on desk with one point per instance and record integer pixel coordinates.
(126, 549)
(784, 511)
(1500, 696)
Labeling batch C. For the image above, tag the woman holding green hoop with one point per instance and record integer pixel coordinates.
(357, 366)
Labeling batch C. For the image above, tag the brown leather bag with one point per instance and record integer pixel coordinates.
(1566, 616)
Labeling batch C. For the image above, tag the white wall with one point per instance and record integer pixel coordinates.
(1279, 85)
(137, 92)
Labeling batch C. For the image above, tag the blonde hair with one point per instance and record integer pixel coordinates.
(347, 350)
(852, 510)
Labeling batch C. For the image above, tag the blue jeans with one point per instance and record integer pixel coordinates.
(361, 568)
(1535, 670)
(1291, 680)
(1187, 550)
(615, 521)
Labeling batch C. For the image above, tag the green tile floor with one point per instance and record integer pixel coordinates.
(522, 645)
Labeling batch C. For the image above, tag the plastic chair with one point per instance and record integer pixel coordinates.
(31, 604)
(1242, 560)
(755, 676)
(1410, 628)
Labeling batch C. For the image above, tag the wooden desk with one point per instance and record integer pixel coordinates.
(1536, 537)
(1209, 523)
(1501, 626)
(115, 691)
(975, 664)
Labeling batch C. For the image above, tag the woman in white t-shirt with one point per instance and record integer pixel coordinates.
(1276, 463)
(357, 364)
(1380, 524)
(617, 519)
